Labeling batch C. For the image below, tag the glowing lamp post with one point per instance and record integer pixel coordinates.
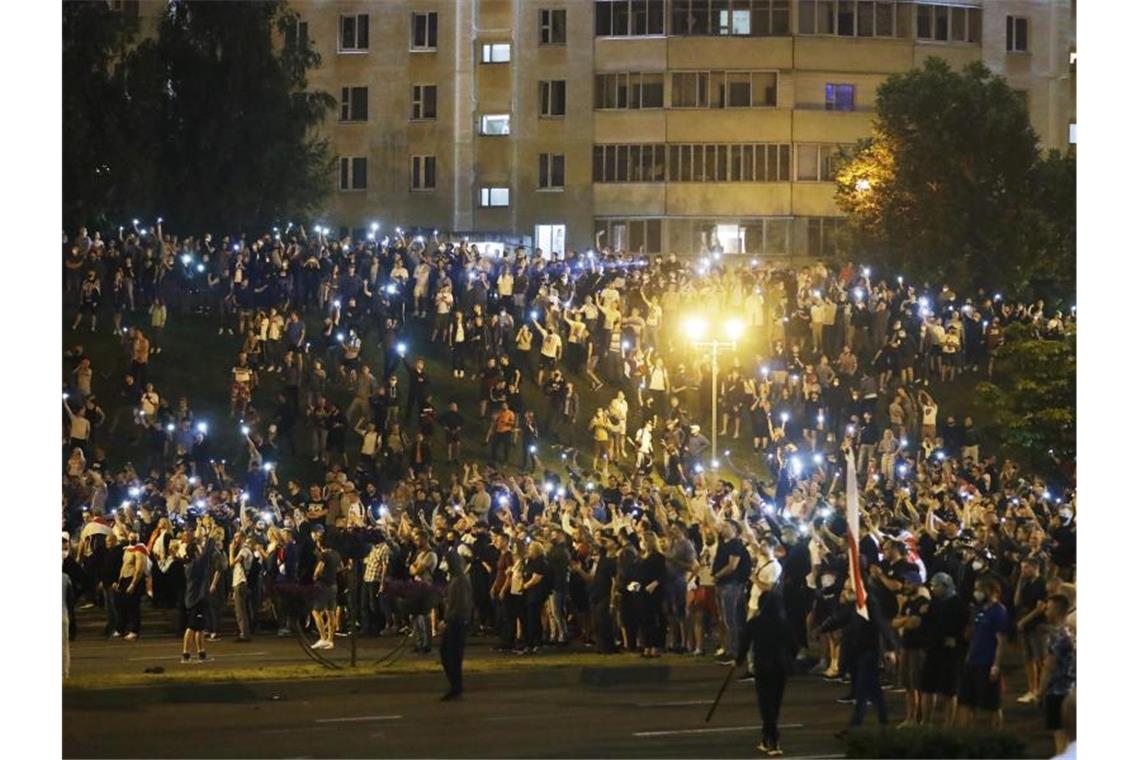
(697, 328)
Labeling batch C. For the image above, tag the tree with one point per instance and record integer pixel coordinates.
(96, 142)
(947, 188)
(1032, 400)
(213, 124)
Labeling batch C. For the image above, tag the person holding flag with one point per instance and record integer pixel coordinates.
(861, 616)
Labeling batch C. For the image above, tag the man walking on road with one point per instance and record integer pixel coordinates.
(458, 603)
(773, 645)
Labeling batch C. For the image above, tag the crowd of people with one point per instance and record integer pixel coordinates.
(370, 484)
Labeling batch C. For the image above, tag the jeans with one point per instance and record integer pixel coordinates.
(371, 613)
(557, 615)
(110, 604)
(423, 632)
(241, 609)
(451, 653)
(728, 598)
(868, 688)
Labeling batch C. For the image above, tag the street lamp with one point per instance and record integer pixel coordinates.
(696, 327)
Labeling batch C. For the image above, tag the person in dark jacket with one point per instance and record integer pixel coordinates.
(770, 637)
(864, 641)
(458, 604)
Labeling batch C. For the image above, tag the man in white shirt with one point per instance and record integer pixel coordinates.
(241, 559)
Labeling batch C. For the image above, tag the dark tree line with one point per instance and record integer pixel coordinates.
(951, 187)
(209, 123)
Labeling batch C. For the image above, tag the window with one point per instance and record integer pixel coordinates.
(636, 235)
(495, 124)
(629, 163)
(739, 86)
(425, 30)
(822, 235)
(629, 18)
(354, 33)
(494, 197)
(423, 172)
(729, 163)
(1016, 34)
(851, 18)
(552, 26)
(690, 89)
(551, 171)
(742, 18)
(634, 90)
(839, 97)
(498, 52)
(297, 35)
(946, 23)
(817, 163)
(423, 102)
(353, 173)
(724, 89)
(552, 98)
(354, 104)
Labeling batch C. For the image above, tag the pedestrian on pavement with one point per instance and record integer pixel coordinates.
(768, 636)
(458, 604)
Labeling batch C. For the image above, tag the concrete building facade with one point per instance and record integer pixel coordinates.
(653, 125)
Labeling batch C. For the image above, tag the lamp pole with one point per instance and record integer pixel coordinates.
(715, 345)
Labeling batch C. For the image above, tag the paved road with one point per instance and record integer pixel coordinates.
(503, 715)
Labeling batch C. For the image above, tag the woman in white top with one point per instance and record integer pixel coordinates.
(457, 339)
(618, 412)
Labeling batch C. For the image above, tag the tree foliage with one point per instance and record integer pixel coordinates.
(951, 187)
(1032, 401)
(210, 122)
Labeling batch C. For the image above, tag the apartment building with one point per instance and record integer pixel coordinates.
(655, 125)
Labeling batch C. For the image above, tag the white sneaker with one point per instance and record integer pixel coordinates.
(322, 644)
(131, 636)
(720, 651)
(1027, 698)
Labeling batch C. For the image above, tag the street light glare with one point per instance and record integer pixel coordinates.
(734, 328)
(695, 326)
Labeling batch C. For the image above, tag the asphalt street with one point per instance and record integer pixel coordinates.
(536, 713)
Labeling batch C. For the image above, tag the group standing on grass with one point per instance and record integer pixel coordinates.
(650, 543)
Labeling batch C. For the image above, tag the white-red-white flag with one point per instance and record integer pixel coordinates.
(853, 537)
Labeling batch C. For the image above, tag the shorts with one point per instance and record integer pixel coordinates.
(450, 437)
(196, 617)
(977, 690)
(546, 362)
(1033, 644)
(703, 599)
(353, 363)
(1053, 704)
(939, 673)
(324, 598)
(910, 668)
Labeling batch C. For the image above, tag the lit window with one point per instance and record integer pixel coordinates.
(494, 197)
(840, 97)
(497, 53)
(495, 124)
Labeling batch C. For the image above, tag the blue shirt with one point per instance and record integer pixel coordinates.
(988, 623)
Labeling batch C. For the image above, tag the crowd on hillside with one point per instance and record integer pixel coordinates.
(640, 538)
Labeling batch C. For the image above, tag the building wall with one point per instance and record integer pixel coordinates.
(467, 89)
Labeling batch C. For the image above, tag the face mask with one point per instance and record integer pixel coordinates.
(977, 564)
(979, 597)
